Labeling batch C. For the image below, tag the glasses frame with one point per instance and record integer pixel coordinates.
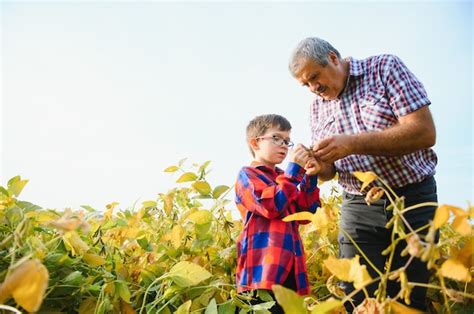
(277, 141)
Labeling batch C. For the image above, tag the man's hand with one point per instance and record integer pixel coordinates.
(333, 148)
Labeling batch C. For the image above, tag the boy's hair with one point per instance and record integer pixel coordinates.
(260, 124)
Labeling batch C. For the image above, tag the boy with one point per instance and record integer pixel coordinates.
(270, 251)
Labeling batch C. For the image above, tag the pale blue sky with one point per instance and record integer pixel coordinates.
(99, 97)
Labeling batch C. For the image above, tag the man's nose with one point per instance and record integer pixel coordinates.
(314, 87)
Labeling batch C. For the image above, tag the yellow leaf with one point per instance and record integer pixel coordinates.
(93, 260)
(202, 187)
(171, 169)
(441, 216)
(201, 217)
(465, 254)
(219, 190)
(74, 243)
(110, 209)
(88, 306)
(186, 177)
(299, 216)
(289, 300)
(454, 269)
(27, 284)
(339, 267)
(187, 274)
(184, 308)
(168, 201)
(366, 178)
(69, 221)
(16, 185)
(122, 289)
(177, 236)
(358, 274)
(458, 212)
(321, 220)
(461, 225)
(327, 306)
(42, 216)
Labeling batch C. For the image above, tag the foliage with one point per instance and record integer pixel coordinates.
(177, 254)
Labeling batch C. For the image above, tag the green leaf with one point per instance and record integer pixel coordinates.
(74, 279)
(202, 187)
(264, 295)
(88, 208)
(16, 185)
(289, 300)
(148, 204)
(219, 190)
(201, 217)
(4, 192)
(226, 308)
(204, 166)
(263, 308)
(144, 244)
(187, 177)
(171, 169)
(211, 307)
(187, 274)
(123, 291)
(184, 308)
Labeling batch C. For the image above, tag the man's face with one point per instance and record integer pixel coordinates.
(325, 81)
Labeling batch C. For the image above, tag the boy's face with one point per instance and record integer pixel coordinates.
(269, 149)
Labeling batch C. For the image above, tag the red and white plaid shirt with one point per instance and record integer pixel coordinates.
(379, 91)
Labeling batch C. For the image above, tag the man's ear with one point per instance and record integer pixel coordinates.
(253, 142)
(332, 57)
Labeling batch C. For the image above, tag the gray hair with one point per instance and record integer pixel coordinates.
(313, 48)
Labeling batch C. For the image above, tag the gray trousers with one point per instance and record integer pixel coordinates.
(366, 225)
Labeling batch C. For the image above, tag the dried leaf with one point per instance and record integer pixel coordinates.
(374, 195)
(461, 225)
(454, 269)
(27, 284)
(366, 178)
(441, 216)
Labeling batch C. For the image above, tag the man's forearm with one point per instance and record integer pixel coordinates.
(396, 141)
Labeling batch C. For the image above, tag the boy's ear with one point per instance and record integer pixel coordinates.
(253, 142)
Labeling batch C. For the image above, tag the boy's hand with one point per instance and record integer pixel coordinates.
(299, 155)
(312, 167)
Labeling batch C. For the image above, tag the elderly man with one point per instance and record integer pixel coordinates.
(371, 115)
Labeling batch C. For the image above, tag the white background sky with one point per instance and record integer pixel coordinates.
(99, 97)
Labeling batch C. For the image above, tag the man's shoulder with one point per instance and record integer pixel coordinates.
(380, 61)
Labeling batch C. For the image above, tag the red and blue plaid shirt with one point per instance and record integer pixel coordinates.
(380, 90)
(269, 248)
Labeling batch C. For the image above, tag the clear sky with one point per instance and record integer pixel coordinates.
(99, 97)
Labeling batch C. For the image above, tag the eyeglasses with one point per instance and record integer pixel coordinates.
(278, 140)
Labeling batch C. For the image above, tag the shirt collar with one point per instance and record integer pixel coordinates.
(356, 67)
(258, 165)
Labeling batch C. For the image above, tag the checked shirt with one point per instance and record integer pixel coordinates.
(380, 90)
(269, 248)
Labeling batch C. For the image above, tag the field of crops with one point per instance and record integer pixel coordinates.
(177, 254)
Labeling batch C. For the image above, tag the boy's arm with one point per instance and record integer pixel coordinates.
(308, 196)
(269, 201)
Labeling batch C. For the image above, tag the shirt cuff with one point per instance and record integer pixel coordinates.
(295, 171)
